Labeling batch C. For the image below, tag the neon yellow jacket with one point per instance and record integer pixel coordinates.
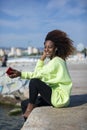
(56, 75)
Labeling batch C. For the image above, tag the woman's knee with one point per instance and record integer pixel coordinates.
(34, 81)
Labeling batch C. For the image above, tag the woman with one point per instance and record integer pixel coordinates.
(52, 80)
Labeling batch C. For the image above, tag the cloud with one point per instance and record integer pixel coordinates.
(31, 20)
(21, 40)
(67, 7)
(75, 30)
(21, 8)
(56, 4)
(22, 16)
(23, 23)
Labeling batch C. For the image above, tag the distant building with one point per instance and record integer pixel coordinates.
(12, 52)
(35, 51)
(32, 50)
(18, 52)
(15, 52)
(1, 52)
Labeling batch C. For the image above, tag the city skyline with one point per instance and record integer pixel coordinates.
(26, 22)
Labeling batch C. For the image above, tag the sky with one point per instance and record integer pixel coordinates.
(25, 23)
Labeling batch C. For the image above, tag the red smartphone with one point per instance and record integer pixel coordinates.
(9, 71)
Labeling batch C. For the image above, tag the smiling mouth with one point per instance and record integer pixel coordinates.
(48, 53)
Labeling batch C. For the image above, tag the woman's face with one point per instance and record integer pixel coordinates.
(49, 49)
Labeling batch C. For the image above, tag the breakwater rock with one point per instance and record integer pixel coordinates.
(48, 118)
(8, 100)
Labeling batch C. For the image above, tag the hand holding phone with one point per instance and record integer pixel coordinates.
(9, 71)
(12, 73)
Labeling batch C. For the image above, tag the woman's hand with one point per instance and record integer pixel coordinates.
(43, 57)
(15, 73)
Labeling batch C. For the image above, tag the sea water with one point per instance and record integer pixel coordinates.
(8, 122)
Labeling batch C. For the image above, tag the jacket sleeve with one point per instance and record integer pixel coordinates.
(46, 73)
(29, 75)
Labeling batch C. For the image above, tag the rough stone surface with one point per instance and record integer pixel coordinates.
(7, 100)
(73, 117)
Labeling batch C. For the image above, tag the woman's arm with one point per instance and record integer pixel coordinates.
(15, 73)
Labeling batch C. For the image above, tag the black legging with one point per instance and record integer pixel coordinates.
(36, 87)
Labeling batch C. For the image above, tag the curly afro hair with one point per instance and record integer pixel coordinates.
(62, 42)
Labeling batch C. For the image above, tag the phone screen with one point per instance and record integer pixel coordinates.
(9, 71)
